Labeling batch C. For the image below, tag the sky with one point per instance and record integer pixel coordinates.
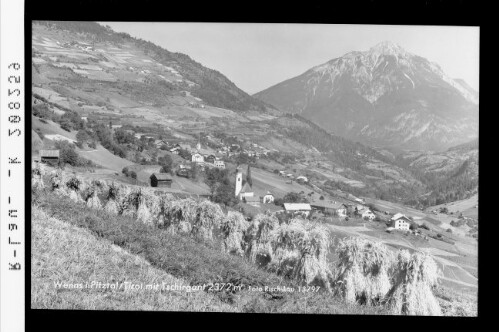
(256, 56)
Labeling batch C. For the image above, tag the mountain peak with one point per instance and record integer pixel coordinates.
(387, 47)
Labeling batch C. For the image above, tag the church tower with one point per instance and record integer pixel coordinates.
(239, 181)
(198, 146)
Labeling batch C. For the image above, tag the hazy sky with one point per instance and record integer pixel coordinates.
(257, 56)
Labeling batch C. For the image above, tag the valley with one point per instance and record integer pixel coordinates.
(119, 110)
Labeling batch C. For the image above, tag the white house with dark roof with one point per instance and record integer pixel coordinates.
(400, 221)
(197, 158)
(219, 164)
(366, 214)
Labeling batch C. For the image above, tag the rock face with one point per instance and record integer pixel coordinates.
(385, 97)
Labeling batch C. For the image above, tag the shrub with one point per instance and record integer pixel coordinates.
(133, 175)
(425, 226)
(67, 154)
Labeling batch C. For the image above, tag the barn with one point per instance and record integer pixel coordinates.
(161, 180)
(49, 156)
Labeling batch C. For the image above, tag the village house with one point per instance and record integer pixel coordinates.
(400, 221)
(49, 156)
(340, 209)
(333, 208)
(298, 208)
(161, 180)
(159, 143)
(183, 172)
(268, 198)
(210, 159)
(219, 164)
(175, 150)
(282, 173)
(366, 214)
(197, 158)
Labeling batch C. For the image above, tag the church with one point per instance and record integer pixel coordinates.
(242, 191)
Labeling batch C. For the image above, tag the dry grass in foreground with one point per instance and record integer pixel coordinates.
(194, 262)
(62, 252)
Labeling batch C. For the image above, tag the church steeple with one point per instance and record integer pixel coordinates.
(198, 146)
(239, 181)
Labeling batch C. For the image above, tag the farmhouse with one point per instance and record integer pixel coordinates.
(197, 158)
(210, 159)
(366, 214)
(183, 172)
(219, 164)
(161, 180)
(333, 208)
(268, 198)
(49, 156)
(299, 208)
(159, 143)
(400, 221)
(175, 150)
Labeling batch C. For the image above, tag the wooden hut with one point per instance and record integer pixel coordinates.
(49, 156)
(161, 180)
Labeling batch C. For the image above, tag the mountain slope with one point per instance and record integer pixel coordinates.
(449, 175)
(385, 96)
(188, 75)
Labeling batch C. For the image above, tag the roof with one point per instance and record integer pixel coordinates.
(302, 177)
(335, 205)
(297, 207)
(269, 193)
(365, 210)
(400, 216)
(252, 199)
(161, 176)
(246, 188)
(49, 153)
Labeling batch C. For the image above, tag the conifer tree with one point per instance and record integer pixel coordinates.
(248, 176)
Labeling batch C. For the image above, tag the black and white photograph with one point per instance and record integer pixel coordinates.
(295, 168)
